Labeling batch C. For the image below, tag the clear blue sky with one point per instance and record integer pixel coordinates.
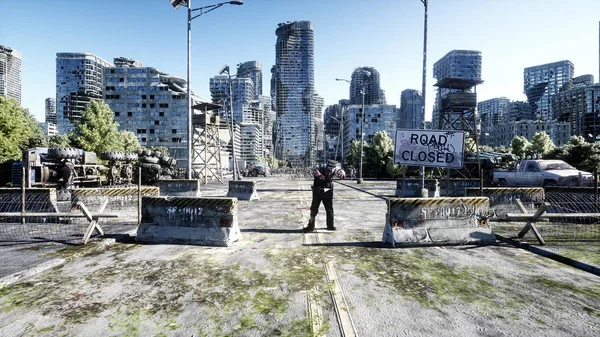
(385, 34)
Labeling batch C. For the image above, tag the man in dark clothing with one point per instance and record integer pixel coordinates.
(322, 191)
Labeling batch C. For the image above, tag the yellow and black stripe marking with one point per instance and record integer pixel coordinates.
(474, 201)
(183, 202)
(111, 192)
(505, 190)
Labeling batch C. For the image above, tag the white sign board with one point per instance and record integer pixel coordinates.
(431, 148)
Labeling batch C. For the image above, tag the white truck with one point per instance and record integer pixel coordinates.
(542, 173)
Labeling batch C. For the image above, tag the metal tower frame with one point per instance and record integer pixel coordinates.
(206, 156)
(458, 111)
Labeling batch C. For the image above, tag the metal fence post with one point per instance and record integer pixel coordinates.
(23, 195)
(139, 203)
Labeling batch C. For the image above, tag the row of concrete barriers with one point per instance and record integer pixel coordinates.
(189, 218)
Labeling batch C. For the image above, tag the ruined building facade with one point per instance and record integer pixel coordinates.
(294, 88)
(542, 82)
(411, 110)
(78, 82)
(367, 78)
(10, 73)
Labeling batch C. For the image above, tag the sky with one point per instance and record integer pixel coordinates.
(384, 34)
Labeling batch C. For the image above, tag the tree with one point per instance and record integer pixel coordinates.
(519, 146)
(381, 151)
(59, 141)
(353, 157)
(541, 144)
(18, 130)
(130, 141)
(97, 130)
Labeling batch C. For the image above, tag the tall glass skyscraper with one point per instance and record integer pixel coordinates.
(542, 82)
(411, 110)
(10, 73)
(293, 80)
(78, 81)
(369, 77)
(253, 71)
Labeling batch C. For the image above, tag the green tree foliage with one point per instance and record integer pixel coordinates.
(130, 142)
(519, 146)
(353, 156)
(541, 144)
(18, 130)
(380, 153)
(59, 141)
(97, 130)
(579, 153)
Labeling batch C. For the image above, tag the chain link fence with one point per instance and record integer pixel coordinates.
(571, 217)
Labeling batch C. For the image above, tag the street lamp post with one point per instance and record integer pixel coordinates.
(362, 122)
(203, 10)
(423, 87)
(236, 172)
(340, 136)
(362, 136)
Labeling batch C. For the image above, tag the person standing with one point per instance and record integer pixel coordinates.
(322, 191)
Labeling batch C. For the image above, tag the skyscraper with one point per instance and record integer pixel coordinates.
(78, 81)
(253, 71)
(50, 109)
(541, 82)
(293, 79)
(411, 110)
(492, 111)
(10, 73)
(369, 77)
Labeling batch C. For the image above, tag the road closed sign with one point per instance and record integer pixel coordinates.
(431, 148)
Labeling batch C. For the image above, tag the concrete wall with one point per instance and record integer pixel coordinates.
(179, 187)
(208, 221)
(446, 220)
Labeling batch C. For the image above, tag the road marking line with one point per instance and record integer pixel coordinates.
(340, 306)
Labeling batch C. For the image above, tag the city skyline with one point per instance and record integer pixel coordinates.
(511, 36)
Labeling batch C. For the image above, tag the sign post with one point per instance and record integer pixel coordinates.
(429, 148)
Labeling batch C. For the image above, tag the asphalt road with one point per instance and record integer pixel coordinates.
(277, 281)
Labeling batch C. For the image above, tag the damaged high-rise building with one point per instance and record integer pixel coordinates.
(10, 73)
(151, 104)
(293, 82)
(542, 82)
(367, 78)
(78, 82)
(253, 71)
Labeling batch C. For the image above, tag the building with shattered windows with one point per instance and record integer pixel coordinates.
(541, 82)
(78, 82)
(10, 73)
(151, 104)
(293, 85)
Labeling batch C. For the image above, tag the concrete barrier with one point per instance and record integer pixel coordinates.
(179, 187)
(207, 221)
(122, 200)
(242, 189)
(503, 200)
(426, 221)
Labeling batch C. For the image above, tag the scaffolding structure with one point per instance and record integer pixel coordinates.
(458, 106)
(206, 156)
